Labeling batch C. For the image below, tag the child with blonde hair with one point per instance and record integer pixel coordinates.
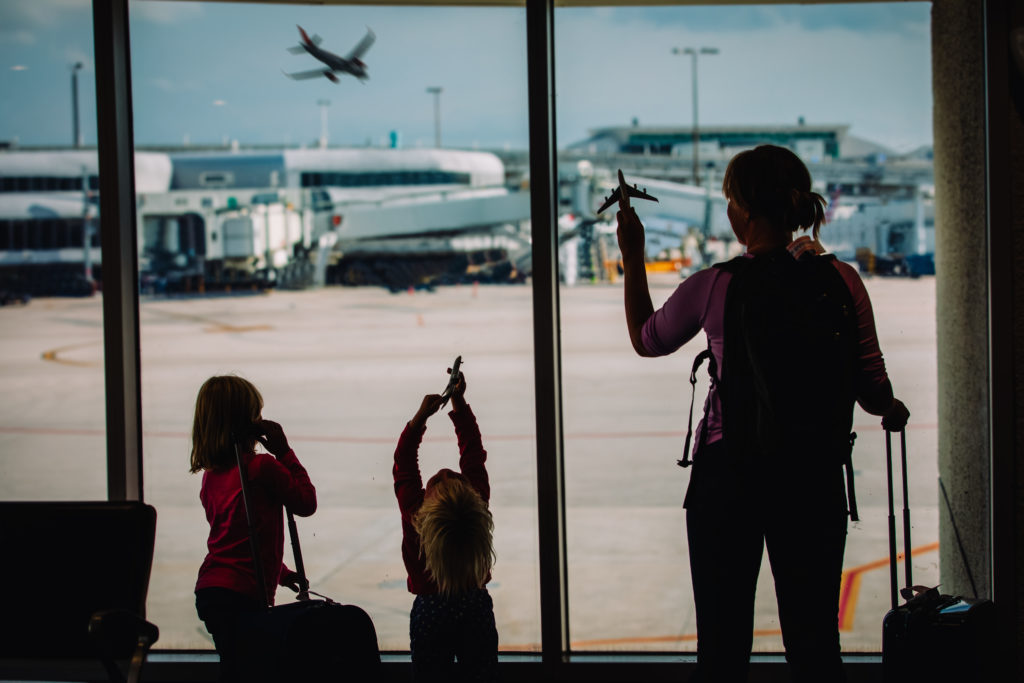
(229, 415)
(448, 551)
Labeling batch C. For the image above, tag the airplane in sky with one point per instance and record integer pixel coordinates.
(350, 64)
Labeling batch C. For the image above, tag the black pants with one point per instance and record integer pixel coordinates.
(222, 610)
(800, 515)
(460, 627)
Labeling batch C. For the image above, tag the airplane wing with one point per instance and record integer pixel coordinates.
(632, 191)
(313, 73)
(363, 45)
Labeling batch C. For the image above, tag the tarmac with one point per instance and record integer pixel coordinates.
(342, 369)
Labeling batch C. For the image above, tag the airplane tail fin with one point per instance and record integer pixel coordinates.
(315, 40)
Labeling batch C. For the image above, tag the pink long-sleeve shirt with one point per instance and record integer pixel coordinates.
(699, 304)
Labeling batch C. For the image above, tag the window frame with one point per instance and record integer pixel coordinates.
(121, 304)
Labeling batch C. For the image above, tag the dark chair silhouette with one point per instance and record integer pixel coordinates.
(75, 577)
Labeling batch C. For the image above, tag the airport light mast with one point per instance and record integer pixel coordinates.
(696, 134)
(323, 122)
(436, 90)
(76, 135)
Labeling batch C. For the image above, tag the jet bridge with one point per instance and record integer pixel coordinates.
(428, 237)
(700, 207)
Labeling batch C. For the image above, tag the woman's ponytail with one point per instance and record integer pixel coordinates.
(808, 211)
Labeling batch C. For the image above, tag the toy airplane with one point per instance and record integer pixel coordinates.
(452, 381)
(632, 191)
(333, 64)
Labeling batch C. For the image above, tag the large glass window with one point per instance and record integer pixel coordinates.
(415, 276)
(319, 266)
(52, 422)
(847, 87)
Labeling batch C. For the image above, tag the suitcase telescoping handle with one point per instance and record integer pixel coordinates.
(892, 514)
(300, 568)
(254, 542)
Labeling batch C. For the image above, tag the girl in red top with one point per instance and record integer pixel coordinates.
(229, 412)
(448, 552)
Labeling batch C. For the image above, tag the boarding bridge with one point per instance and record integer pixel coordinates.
(426, 237)
(438, 214)
(700, 207)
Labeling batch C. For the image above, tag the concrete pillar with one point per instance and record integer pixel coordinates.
(958, 87)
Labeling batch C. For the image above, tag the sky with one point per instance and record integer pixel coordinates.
(208, 73)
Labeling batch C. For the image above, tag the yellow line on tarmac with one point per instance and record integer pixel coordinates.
(53, 355)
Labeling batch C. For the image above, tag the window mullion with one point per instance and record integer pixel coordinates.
(118, 249)
(546, 348)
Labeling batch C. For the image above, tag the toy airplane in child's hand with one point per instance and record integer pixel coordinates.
(453, 381)
(632, 191)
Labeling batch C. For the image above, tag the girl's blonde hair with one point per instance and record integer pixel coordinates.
(227, 407)
(455, 528)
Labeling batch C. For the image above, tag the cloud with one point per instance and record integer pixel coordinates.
(40, 14)
(21, 22)
(17, 36)
(897, 17)
(165, 12)
(171, 86)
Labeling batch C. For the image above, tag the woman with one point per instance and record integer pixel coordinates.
(784, 491)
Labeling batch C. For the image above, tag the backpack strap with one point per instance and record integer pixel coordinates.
(713, 373)
(851, 495)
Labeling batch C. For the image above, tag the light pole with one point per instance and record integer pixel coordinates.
(435, 90)
(76, 136)
(323, 122)
(696, 134)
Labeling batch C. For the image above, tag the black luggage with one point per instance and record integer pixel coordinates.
(931, 637)
(306, 640)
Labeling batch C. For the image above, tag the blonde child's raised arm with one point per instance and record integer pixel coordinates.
(431, 404)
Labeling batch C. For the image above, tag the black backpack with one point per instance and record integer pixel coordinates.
(789, 365)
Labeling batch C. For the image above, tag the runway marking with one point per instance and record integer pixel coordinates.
(53, 355)
(849, 589)
(215, 326)
(640, 640)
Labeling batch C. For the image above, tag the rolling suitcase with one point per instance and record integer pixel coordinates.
(315, 640)
(931, 637)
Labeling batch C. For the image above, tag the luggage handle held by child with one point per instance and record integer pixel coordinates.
(303, 593)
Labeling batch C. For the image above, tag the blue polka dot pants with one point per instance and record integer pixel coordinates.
(454, 638)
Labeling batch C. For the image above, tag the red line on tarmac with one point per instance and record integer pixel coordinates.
(329, 438)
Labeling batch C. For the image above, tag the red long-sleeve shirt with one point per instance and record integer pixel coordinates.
(409, 487)
(273, 485)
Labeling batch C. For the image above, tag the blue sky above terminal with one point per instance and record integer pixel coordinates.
(207, 73)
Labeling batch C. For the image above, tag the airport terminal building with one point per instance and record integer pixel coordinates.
(815, 143)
